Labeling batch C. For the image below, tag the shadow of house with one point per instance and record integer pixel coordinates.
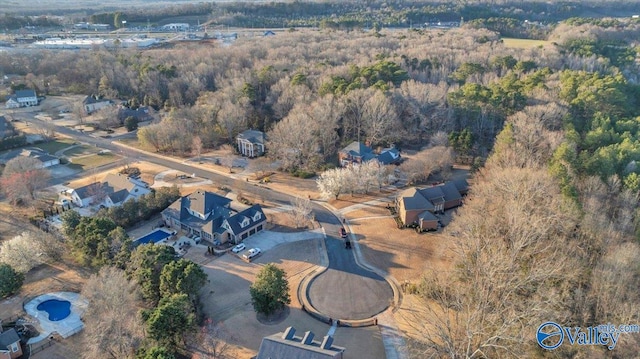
(210, 216)
(6, 129)
(287, 345)
(418, 206)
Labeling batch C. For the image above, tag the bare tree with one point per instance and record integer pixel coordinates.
(113, 328)
(29, 250)
(22, 178)
(196, 146)
(378, 117)
(301, 211)
(213, 342)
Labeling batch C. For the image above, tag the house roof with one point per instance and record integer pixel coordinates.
(388, 156)
(461, 184)
(93, 99)
(32, 152)
(427, 216)
(253, 136)
(450, 191)
(413, 199)
(235, 220)
(204, 202)
(25, 93)
(278, 346)
(7, 338)
(433, 194)
(117, 186)
(357, 149)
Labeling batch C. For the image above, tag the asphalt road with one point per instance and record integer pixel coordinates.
(345, 290)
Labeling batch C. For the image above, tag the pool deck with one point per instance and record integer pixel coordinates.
(65, 327)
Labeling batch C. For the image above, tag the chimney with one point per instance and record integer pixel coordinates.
(326, 342)
(308, 338)
(289, 333)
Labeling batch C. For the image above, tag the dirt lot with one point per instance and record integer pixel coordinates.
(346, 200)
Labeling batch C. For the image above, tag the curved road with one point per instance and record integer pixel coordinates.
(345, 290)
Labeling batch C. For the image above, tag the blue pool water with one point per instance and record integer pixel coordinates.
(153, 237)
(57, 309)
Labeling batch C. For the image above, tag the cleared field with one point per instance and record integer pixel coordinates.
(523, 43)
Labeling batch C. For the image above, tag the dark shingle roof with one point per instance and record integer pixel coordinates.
(235, 220)
(462, 185)
(413, 199)
(277, 347)
(25, 93)
(8, 337)
(433, 194)
(450, 191)
(204, 202)
(252, 136)
(357, 149)
(389, 156)
(427, 216)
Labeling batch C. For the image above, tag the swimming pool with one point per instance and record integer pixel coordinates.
(153, 237)
(57, 309)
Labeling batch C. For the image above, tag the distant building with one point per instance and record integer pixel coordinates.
(287, 345)
(269, 33)
(94, 103)
(251, 143)
(357, 152)
(113, 191)
(176, 27)
(22, 98)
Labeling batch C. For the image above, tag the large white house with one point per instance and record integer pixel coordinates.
(22, 98)
(115, 190)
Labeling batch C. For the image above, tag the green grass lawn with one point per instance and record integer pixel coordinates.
(93, 161)
(80, 150)
(523, 43)
(55, 145)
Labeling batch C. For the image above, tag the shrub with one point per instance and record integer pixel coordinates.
(10, 280)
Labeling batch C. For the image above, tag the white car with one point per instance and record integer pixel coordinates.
(239, 248)
(251, 253)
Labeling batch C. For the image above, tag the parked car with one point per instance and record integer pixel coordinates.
(197, 239)
(347, 244)
(343, 232)
(239, 248)
(251, 253)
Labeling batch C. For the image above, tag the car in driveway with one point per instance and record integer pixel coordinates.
(239, 248)
(251, 253)
(343, 232)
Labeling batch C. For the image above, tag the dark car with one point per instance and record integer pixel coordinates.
(343, 232)
(347, 244)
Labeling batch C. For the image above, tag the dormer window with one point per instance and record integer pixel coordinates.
(257, 216)
(245, 222)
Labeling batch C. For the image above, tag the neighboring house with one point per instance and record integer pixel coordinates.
(418, 207)
(357, 152)
(6, 129)
(251, 143)
(141, 114)
(94, 103)
(22, 98)
(287, 345)
(115, 190)
(10, 344)
(269, 33)
(46, 160)
(211, 217)
(176, 27)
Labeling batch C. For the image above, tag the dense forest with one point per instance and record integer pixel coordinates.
(550, 230)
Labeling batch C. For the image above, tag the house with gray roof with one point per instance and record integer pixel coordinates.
(251, 143)
(210, 216)
(22, 98)
(94, 103)
(44, 159)
(286, 345)
(115, 190)
(357, 152)
(10, 344)
(419, 206)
